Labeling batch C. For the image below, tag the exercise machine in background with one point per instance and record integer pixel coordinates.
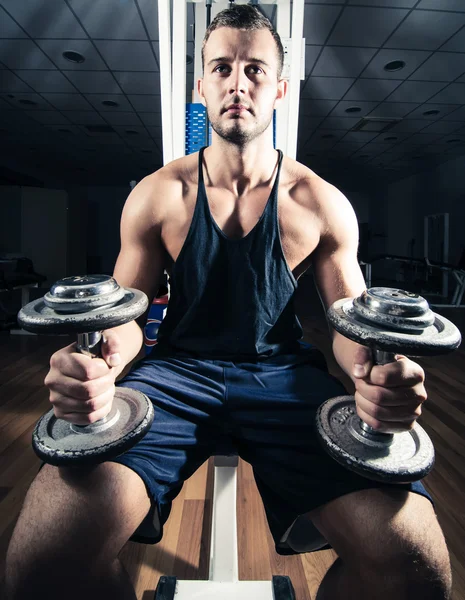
(432, 276)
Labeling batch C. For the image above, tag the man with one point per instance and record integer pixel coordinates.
(235, 225)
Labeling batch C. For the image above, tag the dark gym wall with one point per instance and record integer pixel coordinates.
(398, 209)
(105, 205)
(10, 220)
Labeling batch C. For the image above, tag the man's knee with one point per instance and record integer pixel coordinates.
(410, 545)
(73, 521)
(391, 538)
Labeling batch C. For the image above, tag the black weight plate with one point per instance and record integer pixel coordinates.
(166, 588)
(409, 457)
(37, 317)
(282, 588)
(60, 443)
(440, 338)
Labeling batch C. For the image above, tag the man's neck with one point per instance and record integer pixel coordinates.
(240, 169)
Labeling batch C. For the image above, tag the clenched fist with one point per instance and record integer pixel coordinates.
(82, 388)
(388, 397)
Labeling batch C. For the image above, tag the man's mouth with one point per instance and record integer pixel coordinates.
(236, 108)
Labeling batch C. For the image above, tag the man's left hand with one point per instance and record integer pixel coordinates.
(388, 397)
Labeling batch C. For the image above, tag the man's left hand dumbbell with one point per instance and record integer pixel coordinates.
(390, 322)
(87, 306)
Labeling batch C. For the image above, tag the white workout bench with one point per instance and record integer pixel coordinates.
(223, 582)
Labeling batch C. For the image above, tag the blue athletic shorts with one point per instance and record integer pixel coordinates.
(263, 411)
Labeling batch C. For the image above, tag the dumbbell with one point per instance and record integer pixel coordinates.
(86, 306)
(390, 322)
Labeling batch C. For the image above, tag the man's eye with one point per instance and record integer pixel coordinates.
(220, 68)
(255, 69)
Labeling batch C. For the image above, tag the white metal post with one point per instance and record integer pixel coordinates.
(164, 34)
(200, 27)
(294, 79)
(179, 77)
(283, 27)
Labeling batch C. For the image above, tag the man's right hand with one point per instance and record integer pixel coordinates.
(82, 388)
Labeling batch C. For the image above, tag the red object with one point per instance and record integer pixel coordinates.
(154, 319)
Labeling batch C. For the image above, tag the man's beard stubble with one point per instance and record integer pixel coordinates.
(237, 135)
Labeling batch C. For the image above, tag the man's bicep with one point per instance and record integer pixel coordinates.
(141, 260)
(337, 275)
(335, 262)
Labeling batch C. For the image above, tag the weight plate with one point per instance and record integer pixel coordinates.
(60, 443)
(393, 301)
(394, 309)
(81, 294)
(37, 317)
(440, 338)
(407, 456)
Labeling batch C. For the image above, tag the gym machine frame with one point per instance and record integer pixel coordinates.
(223, 572)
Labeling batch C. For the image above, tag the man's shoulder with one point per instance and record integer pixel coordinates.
(161, 189)
(179, 171)
(307, 187)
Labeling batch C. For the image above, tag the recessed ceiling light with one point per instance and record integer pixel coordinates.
(109, 103)
(353, 109)
(73, 57)
(394, 65)
(431, 112)
(28, 102)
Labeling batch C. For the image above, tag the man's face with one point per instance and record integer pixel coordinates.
(240, 87)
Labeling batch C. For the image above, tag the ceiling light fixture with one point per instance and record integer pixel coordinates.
(73, 57)
(394, 65)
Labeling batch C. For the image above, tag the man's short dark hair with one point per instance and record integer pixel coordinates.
(244, 16)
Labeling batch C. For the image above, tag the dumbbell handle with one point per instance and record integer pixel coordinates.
(380, 357)
(90, 344)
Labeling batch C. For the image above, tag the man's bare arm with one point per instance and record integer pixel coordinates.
(141, 259)
(335, 264)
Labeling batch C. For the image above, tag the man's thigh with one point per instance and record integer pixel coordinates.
(274, 417)
(188, 427)
(384, 529)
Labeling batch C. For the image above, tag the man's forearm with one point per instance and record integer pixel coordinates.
(131, 340)
(344, 350)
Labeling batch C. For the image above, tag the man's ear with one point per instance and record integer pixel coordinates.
(283, 86)
(200, 91)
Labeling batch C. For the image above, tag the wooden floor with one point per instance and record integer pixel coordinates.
(184, 550)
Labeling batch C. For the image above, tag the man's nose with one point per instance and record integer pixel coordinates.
(238, 82)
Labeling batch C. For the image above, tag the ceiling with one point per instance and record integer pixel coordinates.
(52, 110)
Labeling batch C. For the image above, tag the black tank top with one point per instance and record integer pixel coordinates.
(231, 298)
